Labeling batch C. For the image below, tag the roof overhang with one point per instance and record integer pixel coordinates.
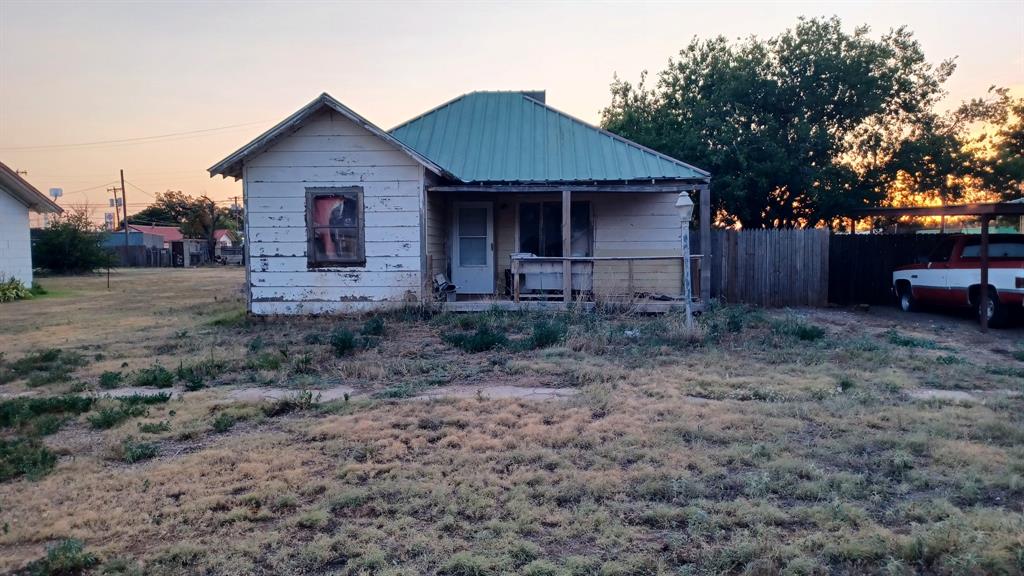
(983, 209)
(232, 165)
(26, 193)
(554, 187)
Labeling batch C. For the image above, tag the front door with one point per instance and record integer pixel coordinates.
(473, 248)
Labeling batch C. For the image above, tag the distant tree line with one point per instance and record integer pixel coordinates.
(195, 216)
(799, 128)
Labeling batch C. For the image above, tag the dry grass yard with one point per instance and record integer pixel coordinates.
(825, 442)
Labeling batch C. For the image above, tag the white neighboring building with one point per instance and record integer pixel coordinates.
(17, 198)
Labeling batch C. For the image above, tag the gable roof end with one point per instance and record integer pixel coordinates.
(232, 165)
(21, 190)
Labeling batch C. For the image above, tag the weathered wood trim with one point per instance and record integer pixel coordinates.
(314, 192)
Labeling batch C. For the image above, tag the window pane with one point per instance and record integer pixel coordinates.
(529, 228)
(335, 220)
(472, 221)
(336, 244)
(552, 229)
(472, 251)
(996, 250)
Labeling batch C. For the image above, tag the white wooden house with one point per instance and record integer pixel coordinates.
(17, 199)
(496, 193)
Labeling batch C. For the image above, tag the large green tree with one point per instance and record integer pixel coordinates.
(799, 128)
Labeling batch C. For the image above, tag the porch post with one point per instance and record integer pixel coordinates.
(566, 246)
(705, 243)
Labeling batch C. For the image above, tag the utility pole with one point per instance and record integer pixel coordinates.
(117, 213)
(124, 200)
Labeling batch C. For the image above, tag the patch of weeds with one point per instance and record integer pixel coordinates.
(312, 519)
(256, 344)
(156, 376)
(347, 500)
(121, 567)
(483, 339)
(145, 399)
(127, 407)
(111, 416)
(314, 338)
(133, 451)
(111, 379)
(223, 422)
(541, 568)
(949, 359)
(25, 457)
(795, 328)
(155, 427)
(547, 332)
(1006, 371)
(297, 402)
(195, 376)
(398, 391)
(342, 341)
(845, 383)
(233, 319)
(467, 564)
(266, 361)
(906, 341)
(38, 290)
(720, 320)
(374, 326)
(303, 364)
(66, 558)
(22, 412)
(43, 367)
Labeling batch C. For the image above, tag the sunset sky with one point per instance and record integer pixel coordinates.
(222, 72)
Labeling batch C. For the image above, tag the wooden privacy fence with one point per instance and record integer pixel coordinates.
(770, 268)
(862, 264)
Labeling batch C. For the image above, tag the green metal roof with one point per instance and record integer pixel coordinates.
(511, 137)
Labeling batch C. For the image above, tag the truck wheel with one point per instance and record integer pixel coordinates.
(996, 310)
(907, 301)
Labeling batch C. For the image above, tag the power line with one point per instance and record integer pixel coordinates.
(174, 135)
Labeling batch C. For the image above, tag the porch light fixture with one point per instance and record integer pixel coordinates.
(685, 207)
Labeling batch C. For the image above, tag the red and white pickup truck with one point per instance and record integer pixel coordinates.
(951, 276)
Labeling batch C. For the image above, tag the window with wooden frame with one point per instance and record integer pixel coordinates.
(540, 228)
(334, 223)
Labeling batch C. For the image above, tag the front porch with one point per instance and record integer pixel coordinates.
(538, 248)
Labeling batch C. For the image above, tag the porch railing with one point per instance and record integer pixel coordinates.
(610, 278)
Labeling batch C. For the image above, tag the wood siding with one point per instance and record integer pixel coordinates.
(15, 248)
(329, 151)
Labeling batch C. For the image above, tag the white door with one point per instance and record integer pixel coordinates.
(473, 248)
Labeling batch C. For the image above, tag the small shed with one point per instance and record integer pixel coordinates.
(17, 198)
